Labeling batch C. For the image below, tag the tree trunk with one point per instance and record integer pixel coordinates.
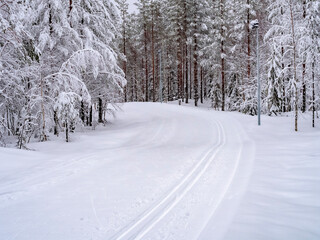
(90, 117)
(69, 13)
(222, 59)
(146, 63)
(70, 6)
(313, 95)
(50, 20)
(133, 87)
(201, 85)
(44, 136)
(185, 23)
(295, 80)
(55, 118)
(222, 77)
(183, 72)
(204, 88)
(100, 120)
(248, 42)
(187, 75)
(304, 88)
(82, 115)
(190, 73)
(168, 79)
(124, 62)
(143, 87)
(153, 60)
(135, 78)
(179, 57)
(195, 69)
(168, 88)
(67, 131)
(284, 107)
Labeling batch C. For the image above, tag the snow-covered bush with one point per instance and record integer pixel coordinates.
(66, 111)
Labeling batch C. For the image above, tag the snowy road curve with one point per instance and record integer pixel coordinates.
(158, 172)
(143, 224)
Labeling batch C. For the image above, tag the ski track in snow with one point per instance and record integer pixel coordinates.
(159, 171)
(156, 213)
(181, 150)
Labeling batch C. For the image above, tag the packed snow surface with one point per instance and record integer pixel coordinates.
(163, 171)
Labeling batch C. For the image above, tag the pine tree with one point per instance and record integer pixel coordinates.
(123, 7)
(52, 47)
(273, 98)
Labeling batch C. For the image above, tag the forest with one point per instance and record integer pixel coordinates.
(68, 64)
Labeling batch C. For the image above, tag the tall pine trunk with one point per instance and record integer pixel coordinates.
(248, 43)
(134, 82)
(153, 61)
(195, 73)
(284, 107)
(295, 80)
(304, 87)
(185, 24)
(124, 53)
(284, 103)
(195, 63)
(187, 75)
(183, 71)
(190, 72)
(146, 63)
(201, 84)
(222, 76)
(222, 59)
(179, 69)
(313, 95)
(43, 134)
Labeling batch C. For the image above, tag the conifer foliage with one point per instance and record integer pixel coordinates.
(208, 52)
(59, 66)
(64, 64)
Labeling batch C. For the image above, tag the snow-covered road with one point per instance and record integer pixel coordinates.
(182, 212)
(159, 171)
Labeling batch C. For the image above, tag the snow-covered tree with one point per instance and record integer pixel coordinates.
(67, 112)
(50, 47)
(273, 98)
(311, 43)
(18, 71)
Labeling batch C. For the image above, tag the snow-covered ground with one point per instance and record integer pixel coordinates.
(163, 171)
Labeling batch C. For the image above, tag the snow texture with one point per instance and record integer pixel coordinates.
(163, 171)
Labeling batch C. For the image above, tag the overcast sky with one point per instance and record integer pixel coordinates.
(132, 7)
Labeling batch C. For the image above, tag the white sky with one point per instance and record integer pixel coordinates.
(132, 7)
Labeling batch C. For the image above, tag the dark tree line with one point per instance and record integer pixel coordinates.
(208, 51)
